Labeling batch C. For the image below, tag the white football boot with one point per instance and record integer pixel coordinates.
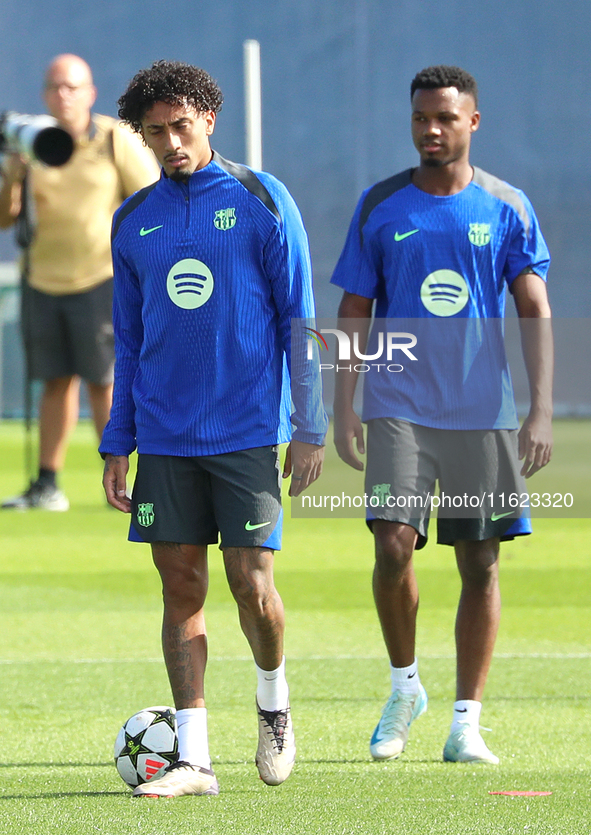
(276, 750)
(467, 746)
(391, 733)
(179, 779)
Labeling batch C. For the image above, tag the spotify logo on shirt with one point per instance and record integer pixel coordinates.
(189, 283)
(444, 293)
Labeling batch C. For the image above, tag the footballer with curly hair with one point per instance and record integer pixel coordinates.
(211, 265)
(172, 82)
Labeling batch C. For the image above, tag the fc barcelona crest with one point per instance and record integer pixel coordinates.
(382, 491)
(145, 514)
(225, 219)
(479, 234)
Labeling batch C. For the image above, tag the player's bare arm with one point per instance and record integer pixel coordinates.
(115, 482)
(533, 308)
(304, 463)
(354, 315)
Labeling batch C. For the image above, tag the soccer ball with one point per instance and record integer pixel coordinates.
(146, 744)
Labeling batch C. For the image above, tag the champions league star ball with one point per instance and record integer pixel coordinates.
(146, 744)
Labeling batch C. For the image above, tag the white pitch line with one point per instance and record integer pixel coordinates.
(549, 655)
(555, 655)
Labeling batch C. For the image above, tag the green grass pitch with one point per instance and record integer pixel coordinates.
(79, 653)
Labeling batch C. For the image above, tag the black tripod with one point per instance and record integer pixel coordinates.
(25, 234)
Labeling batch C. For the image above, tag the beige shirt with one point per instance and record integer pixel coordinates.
(74, 204)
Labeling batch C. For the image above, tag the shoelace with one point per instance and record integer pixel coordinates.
(277, 723)
(393, 721)
(180, 764)
(468, 729)
(184, 764)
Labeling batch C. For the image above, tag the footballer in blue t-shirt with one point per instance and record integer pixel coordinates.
(211, 263)
(430, 252)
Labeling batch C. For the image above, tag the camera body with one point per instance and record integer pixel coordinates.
(35, 138)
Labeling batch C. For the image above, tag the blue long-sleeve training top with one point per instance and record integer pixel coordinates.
(208, 276)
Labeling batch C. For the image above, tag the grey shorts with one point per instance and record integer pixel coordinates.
(71, 334)
(192, 500)
(476, 470)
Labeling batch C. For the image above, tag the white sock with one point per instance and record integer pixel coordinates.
(272, 689)
(192, 730)
(466, 713)
(405, 679)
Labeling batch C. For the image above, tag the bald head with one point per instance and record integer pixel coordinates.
(71, 65)
(70, 93)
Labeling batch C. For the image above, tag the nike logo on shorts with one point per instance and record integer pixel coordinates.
(494, 517)
(249, 527)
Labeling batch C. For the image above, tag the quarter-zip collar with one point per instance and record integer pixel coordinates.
(197, 180)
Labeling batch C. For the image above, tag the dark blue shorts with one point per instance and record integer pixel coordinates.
(194, 500)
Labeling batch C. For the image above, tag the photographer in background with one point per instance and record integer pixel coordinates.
(67, 293)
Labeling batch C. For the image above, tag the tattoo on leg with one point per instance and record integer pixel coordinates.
(185, 659)
(183, 571)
